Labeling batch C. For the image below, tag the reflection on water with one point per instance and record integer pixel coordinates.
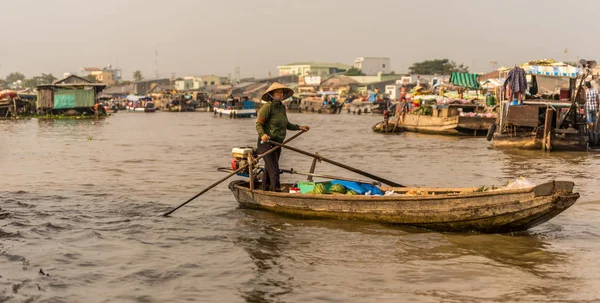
(265, 245)
(83, 199)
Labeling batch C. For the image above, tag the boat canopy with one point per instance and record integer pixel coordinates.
(465, 80)
(553, 70)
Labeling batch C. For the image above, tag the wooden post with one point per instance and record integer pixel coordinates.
(250, 169)
(546, 143)
(312, 168)
(596, 130)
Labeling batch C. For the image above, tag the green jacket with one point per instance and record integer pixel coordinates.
(272, 120)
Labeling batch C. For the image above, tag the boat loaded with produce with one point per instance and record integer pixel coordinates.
(516, 206)
(438, 116)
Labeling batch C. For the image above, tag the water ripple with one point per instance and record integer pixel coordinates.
(87, 212)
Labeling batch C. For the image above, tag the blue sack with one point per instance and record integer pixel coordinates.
(360, 188)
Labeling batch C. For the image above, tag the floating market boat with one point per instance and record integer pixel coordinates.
(440, 209)
(376, 103)
(364, 107)
(451, 119)
(320, 102)
(292, 105)
(149, 107)
(236, 109)
(546, 122)
(516, 207)
(11, 105)
(201, 102)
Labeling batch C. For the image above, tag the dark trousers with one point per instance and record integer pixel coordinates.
(270, 178)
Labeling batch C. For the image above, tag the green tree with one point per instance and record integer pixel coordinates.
(437, 66)
(47, 78)
(31, 82)
(137, 76)
(353, 71)
(14, 77)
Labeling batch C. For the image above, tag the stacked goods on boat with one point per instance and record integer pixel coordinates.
(341, 187)
(337, 187)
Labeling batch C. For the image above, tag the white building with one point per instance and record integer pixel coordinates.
(373, 65)
(199, 83)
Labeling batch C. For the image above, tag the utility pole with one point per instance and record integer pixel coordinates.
(156, 62)
(171, 81)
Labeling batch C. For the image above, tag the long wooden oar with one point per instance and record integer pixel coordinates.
(352, 169)
(233, 173)
(293, 172)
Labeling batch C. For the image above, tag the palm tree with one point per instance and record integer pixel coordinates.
(47, 78)
(137, 76)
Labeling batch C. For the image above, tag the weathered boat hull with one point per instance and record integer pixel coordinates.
(320, 110)
(486, 212)
(364, 107)
(238, 113)
(312, 106)
(453, 126)
(532, 142)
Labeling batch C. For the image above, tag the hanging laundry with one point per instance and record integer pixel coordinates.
(517, 80)
(533, 90)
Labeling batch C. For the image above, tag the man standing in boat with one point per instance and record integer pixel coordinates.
(271, 124)
(591, 105)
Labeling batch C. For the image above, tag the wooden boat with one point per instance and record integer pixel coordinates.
(365, 107)
(135, 109)
(523, 127)
(319, 103)
(11, 107)
(554, 122)
(292, 105)
(452, 119)
(236, 109)
(149, 107)
(442, 209)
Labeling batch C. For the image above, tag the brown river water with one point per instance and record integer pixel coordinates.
(86, 214)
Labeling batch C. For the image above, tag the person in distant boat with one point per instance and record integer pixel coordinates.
(402, 91)
(386, 118)
(591, 105)
(402, 109)
(271, 124)
(461, 92)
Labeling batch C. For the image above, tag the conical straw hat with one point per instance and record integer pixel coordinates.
(287, 92)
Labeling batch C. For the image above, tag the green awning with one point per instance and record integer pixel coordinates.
(465, 80)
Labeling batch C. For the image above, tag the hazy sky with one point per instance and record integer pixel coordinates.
(196, 37)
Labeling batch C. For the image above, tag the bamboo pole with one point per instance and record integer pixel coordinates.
(312, 167)
(250, 172)
(546, 143)
(279, 145)
(352, 169)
